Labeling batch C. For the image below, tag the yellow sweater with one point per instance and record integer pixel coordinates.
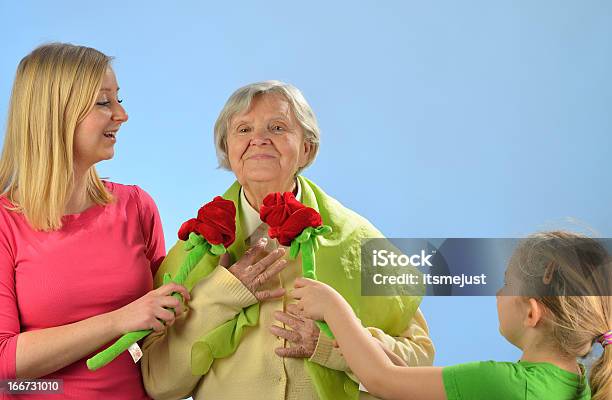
(254, 371)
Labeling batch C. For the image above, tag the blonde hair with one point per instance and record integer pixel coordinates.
(55, 88)
(241, 100)
(554, 263)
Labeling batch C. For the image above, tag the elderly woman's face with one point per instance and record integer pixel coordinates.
(265, 144)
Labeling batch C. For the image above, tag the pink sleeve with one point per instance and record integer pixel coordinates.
(9, 316)
(151, 228)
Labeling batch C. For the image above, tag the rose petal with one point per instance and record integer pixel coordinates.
(216, 222)
(186, 228)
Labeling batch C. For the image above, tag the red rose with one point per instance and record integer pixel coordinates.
(216, 222)
(287, 217)
(187, 228)
(277, 207)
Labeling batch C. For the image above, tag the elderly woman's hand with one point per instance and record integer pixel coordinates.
(302, 336)
(253, 274)
(395, 359)
(315, 298)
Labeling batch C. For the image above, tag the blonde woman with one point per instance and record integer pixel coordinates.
(77, 254)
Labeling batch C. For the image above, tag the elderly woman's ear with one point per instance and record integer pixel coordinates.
(307, 154)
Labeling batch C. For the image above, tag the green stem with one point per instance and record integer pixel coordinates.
(308, 259)
(109, 354)
(309, 271)
(124, 342)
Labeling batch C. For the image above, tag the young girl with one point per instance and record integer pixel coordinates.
(77, 254)
(551, 330)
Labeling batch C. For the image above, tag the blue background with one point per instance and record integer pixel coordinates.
(438, 119)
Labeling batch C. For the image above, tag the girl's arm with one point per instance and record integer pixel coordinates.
(365, 358)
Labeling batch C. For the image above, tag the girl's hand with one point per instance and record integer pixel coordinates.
(315, 299)
(151, 311)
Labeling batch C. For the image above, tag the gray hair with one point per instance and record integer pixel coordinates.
(240, 101)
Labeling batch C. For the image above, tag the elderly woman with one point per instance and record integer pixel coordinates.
(242, 337)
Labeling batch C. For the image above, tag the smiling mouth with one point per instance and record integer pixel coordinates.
(261, 157)
(110, 134)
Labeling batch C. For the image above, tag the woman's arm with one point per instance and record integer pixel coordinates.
(44, 351)
(40, 352)
(365, 358)
(412, 348)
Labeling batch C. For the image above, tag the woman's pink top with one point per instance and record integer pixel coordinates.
(99, 261)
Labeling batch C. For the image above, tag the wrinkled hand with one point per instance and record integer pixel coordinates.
(151, 310)
(302, 336)
(253, 274)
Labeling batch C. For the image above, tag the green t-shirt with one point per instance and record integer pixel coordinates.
(513, 381)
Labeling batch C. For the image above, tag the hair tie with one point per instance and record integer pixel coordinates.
(605, 339)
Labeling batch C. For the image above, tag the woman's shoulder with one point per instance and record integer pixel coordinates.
(6, 202)
(132, 197)
(8, 210)
(126, 192)
(338, 215)
(10, 220)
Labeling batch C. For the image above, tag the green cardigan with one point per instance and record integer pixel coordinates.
(338, 261)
